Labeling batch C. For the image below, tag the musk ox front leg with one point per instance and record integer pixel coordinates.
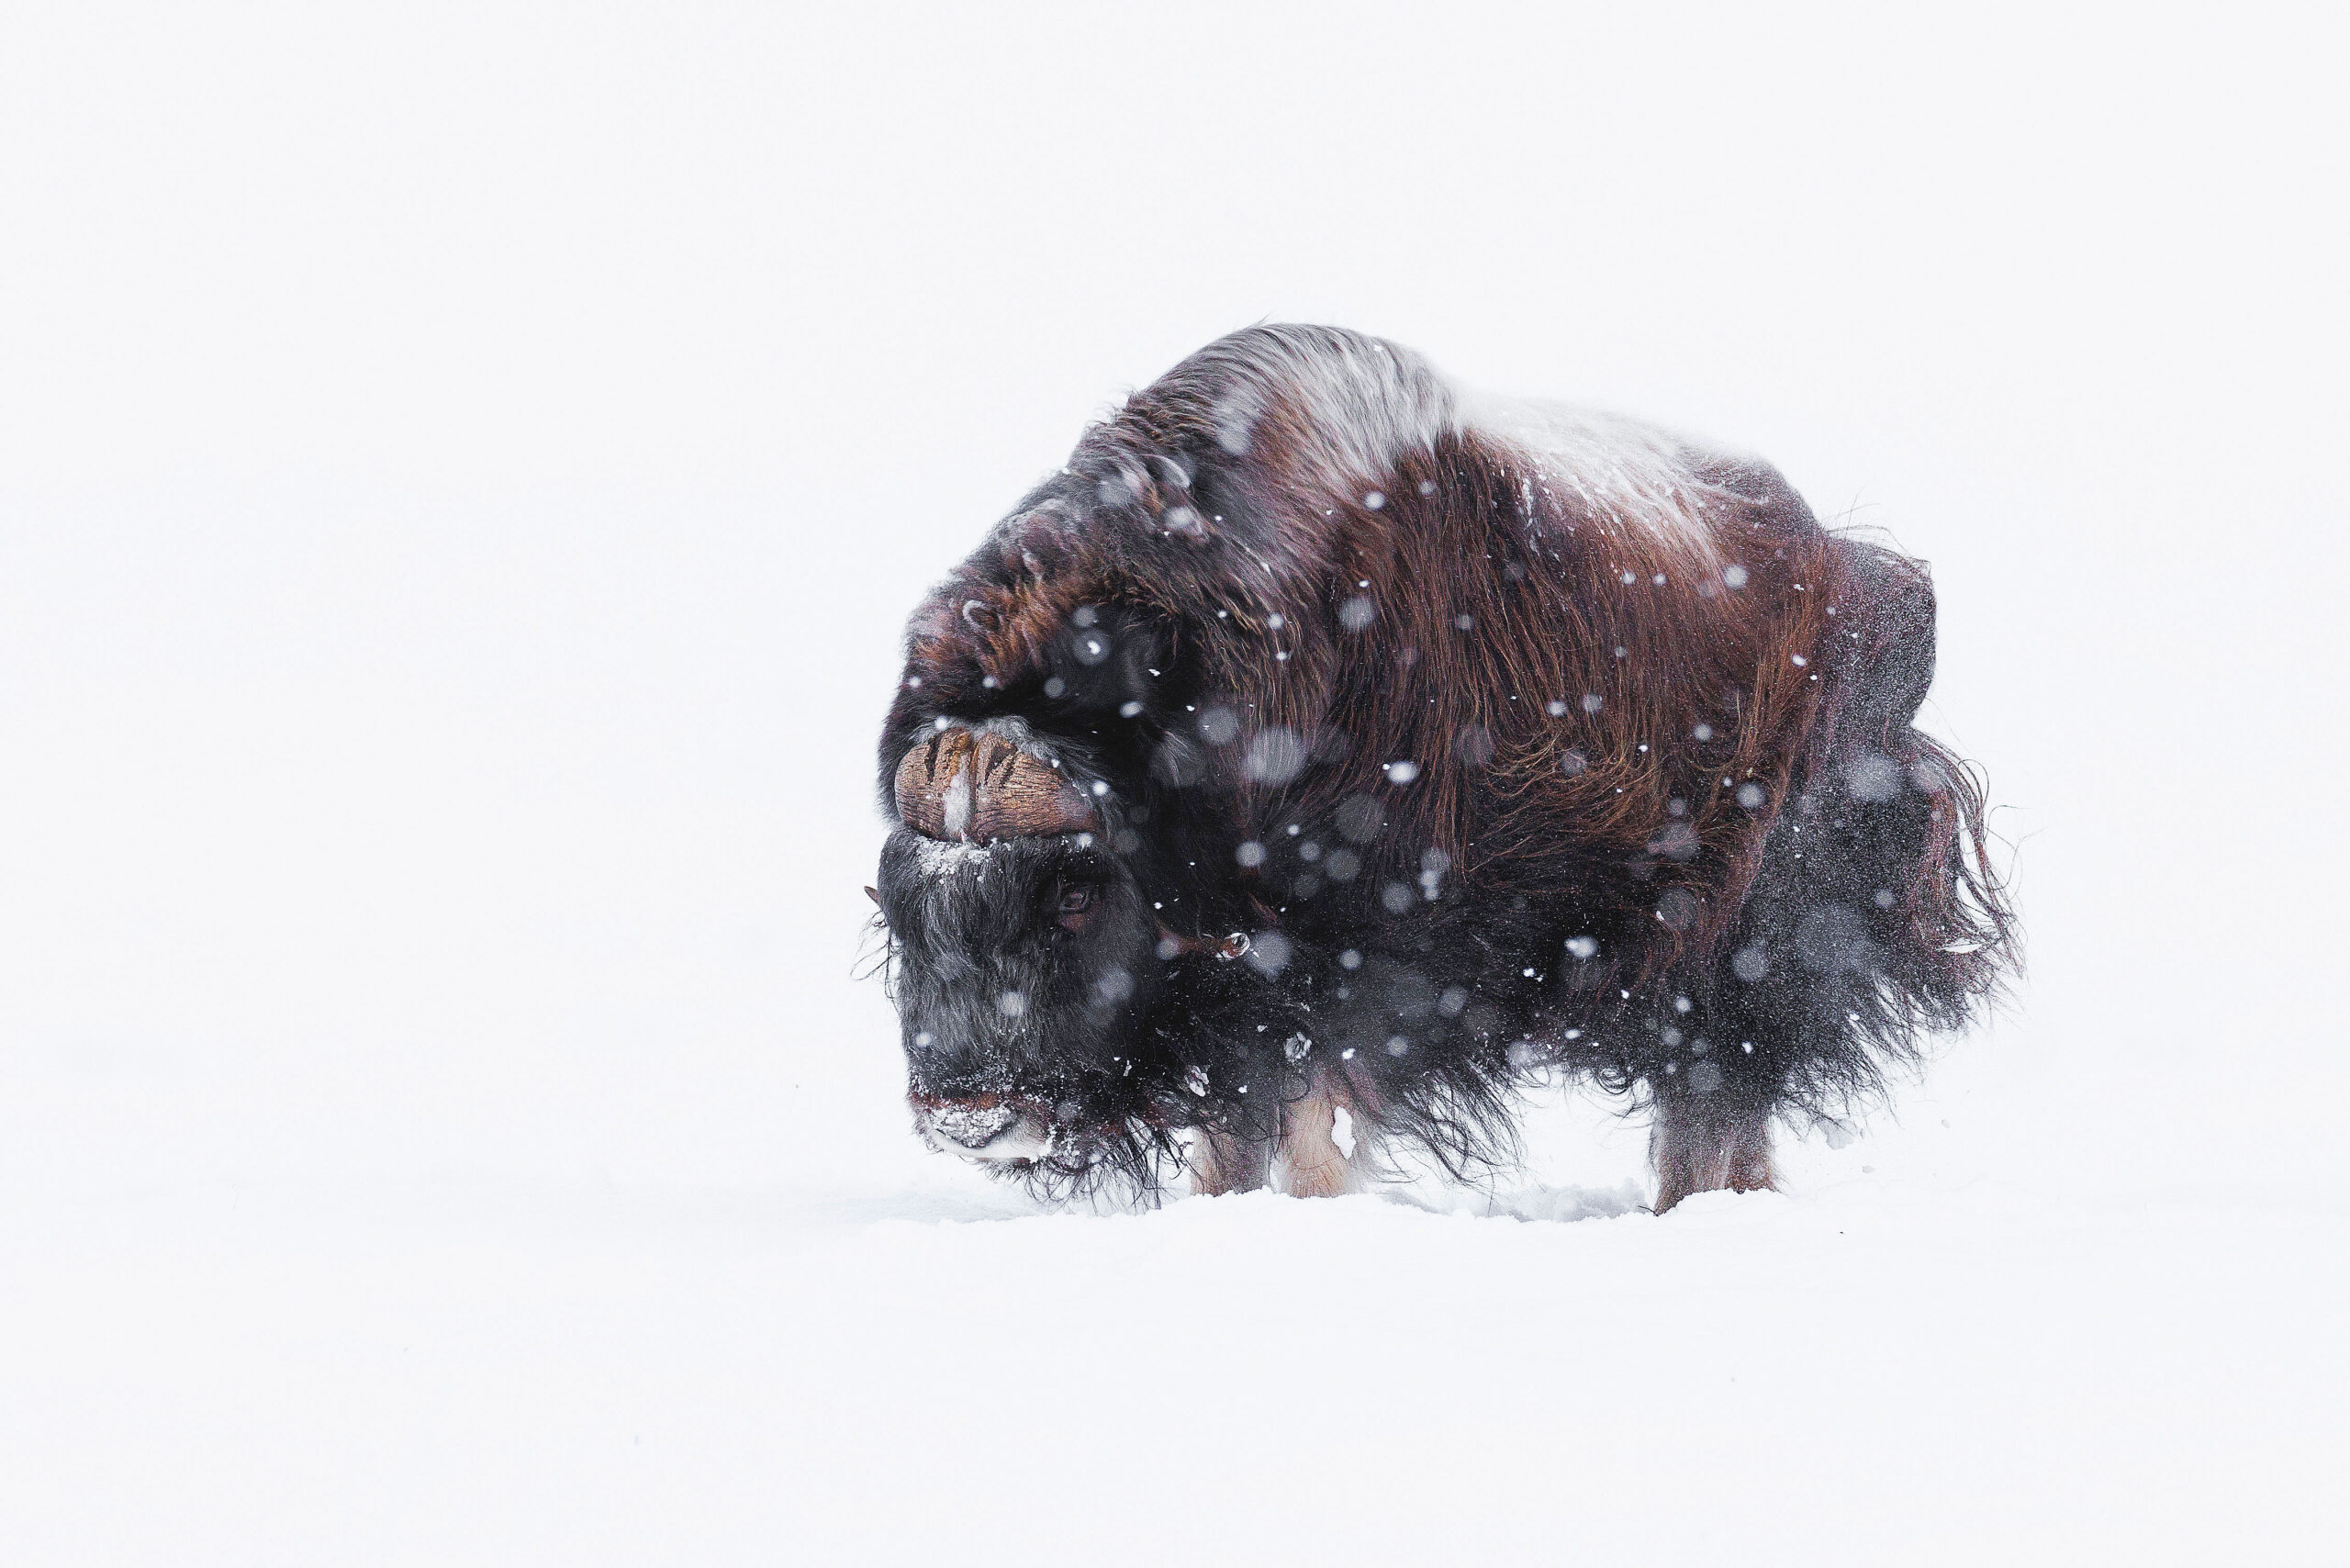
(1706, 1142)
(1312, 1157)
(1224, 1163)
(1316, 1155)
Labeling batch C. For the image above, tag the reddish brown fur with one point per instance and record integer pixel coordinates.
(1696, 651)
(1726, 640)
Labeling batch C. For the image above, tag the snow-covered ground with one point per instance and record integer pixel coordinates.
(1864, 1373)
(462, 476)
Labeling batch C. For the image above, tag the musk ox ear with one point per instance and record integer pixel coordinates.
(965, 784)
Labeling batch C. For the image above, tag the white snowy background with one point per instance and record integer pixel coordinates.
(463, 473)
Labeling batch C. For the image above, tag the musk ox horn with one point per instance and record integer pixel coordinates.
(964, 784)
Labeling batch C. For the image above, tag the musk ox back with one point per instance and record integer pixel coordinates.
(1323, 755)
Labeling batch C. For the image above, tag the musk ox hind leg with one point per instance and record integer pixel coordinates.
(1871, 923)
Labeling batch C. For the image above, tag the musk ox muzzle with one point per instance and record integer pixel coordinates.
(989, 1129)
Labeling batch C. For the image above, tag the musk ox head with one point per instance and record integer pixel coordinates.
(1022, 953)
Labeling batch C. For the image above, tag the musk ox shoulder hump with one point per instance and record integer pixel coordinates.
(1341, 405)
(1619, 471)
(1342, 409)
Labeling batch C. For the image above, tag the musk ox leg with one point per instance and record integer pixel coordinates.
(1227, 1163)
(1707, 1143)
(1315, 1159)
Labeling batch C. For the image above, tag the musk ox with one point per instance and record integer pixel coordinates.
(1327, 754)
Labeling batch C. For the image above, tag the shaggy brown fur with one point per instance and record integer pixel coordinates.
(1623, 676)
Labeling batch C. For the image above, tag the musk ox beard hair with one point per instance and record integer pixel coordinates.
(1401, 749)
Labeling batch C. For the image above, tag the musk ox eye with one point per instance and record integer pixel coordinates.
(1073, 907)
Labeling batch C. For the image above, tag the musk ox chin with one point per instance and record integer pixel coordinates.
(1326, 755)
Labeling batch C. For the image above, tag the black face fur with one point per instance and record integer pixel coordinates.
(1020, 970)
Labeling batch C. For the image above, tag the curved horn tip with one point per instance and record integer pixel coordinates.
(929, 768)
